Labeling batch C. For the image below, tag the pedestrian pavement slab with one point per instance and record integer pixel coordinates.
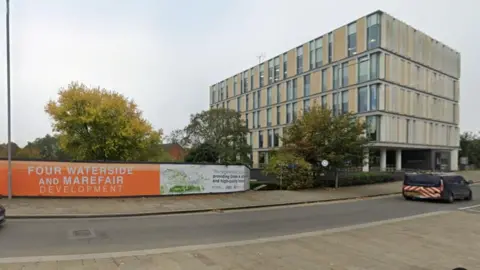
(430, 242)
(38, 207)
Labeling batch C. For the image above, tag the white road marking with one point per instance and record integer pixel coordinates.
(469, 207)
(208, 246)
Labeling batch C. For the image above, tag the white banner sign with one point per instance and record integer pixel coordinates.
(195, 179)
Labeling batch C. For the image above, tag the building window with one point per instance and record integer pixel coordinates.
(373, 104)
(246, 121)
(262, 158)
(285, 66)
(269, 117)
(289, 113)
(324, 102)
(252, 77)
(306, 105)
(324, 80)
(345, 102)
(330, 47)
(239, 102)
(344, 74)
(251, 139)
(246, 102)
(228, 104)
(352, 39)
(279, 96)
(241, 83)
(255, 106)
(374, 66)
(294, 110)
(362, 99)
(306, 85)
(373, 127)
(278, 115)
(270, 137)
(270, 71)
(224, 89)
(318, 52)
(363, 69)
(276, 71)
(259, 98)
(299, 59)
(260, 139)
(289, 91)
(212, 96)
(368, 98)
(294, 88)
(373, 31)
(261, 75)
(245, 81)
(336, 77)
(312, 54)
(258, 119)
(254, 116)
(276, 138)
(269, 96)
(235, 85)
(336, 104)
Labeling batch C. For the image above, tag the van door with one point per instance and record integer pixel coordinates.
(456, 187)
(463, 186)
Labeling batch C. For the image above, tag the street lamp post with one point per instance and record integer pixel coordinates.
(9, 116)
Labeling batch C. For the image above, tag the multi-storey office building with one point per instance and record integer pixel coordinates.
(404, 83)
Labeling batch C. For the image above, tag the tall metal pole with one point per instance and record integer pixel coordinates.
(9, 115)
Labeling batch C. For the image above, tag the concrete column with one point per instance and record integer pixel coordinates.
(433, 160)
(366, 165)
(398, 160)
(454, 160)
(383, 159)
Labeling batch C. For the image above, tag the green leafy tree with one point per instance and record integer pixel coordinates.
(176, 136)
(203, 153)
(470, 147)
(224, 130)
(49, 148)
(292, 171)
(30, 151)
(4, 149)
(97, 124)
(319, 135)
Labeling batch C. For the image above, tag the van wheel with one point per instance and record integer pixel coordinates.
(450, 198)
(469, 197)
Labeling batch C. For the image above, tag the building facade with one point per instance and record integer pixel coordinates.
(404, 83)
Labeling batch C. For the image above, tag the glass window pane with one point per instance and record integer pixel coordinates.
(362, 99)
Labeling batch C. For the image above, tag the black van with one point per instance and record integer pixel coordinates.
(444, 187)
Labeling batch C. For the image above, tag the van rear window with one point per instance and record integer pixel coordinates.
(422, 180)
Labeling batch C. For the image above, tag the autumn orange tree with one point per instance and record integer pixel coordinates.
(98, 124)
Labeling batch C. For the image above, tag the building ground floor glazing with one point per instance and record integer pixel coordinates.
(393, 158)
(423, 143)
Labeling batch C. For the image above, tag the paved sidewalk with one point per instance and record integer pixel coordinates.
(70, 207)
(432, 242)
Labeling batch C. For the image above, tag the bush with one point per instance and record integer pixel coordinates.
(365, 178)
(292, 172)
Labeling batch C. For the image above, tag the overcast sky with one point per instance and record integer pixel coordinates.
(165, 54)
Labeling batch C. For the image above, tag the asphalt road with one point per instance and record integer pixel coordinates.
(56, 237)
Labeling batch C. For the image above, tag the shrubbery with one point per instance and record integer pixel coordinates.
(365, 178)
